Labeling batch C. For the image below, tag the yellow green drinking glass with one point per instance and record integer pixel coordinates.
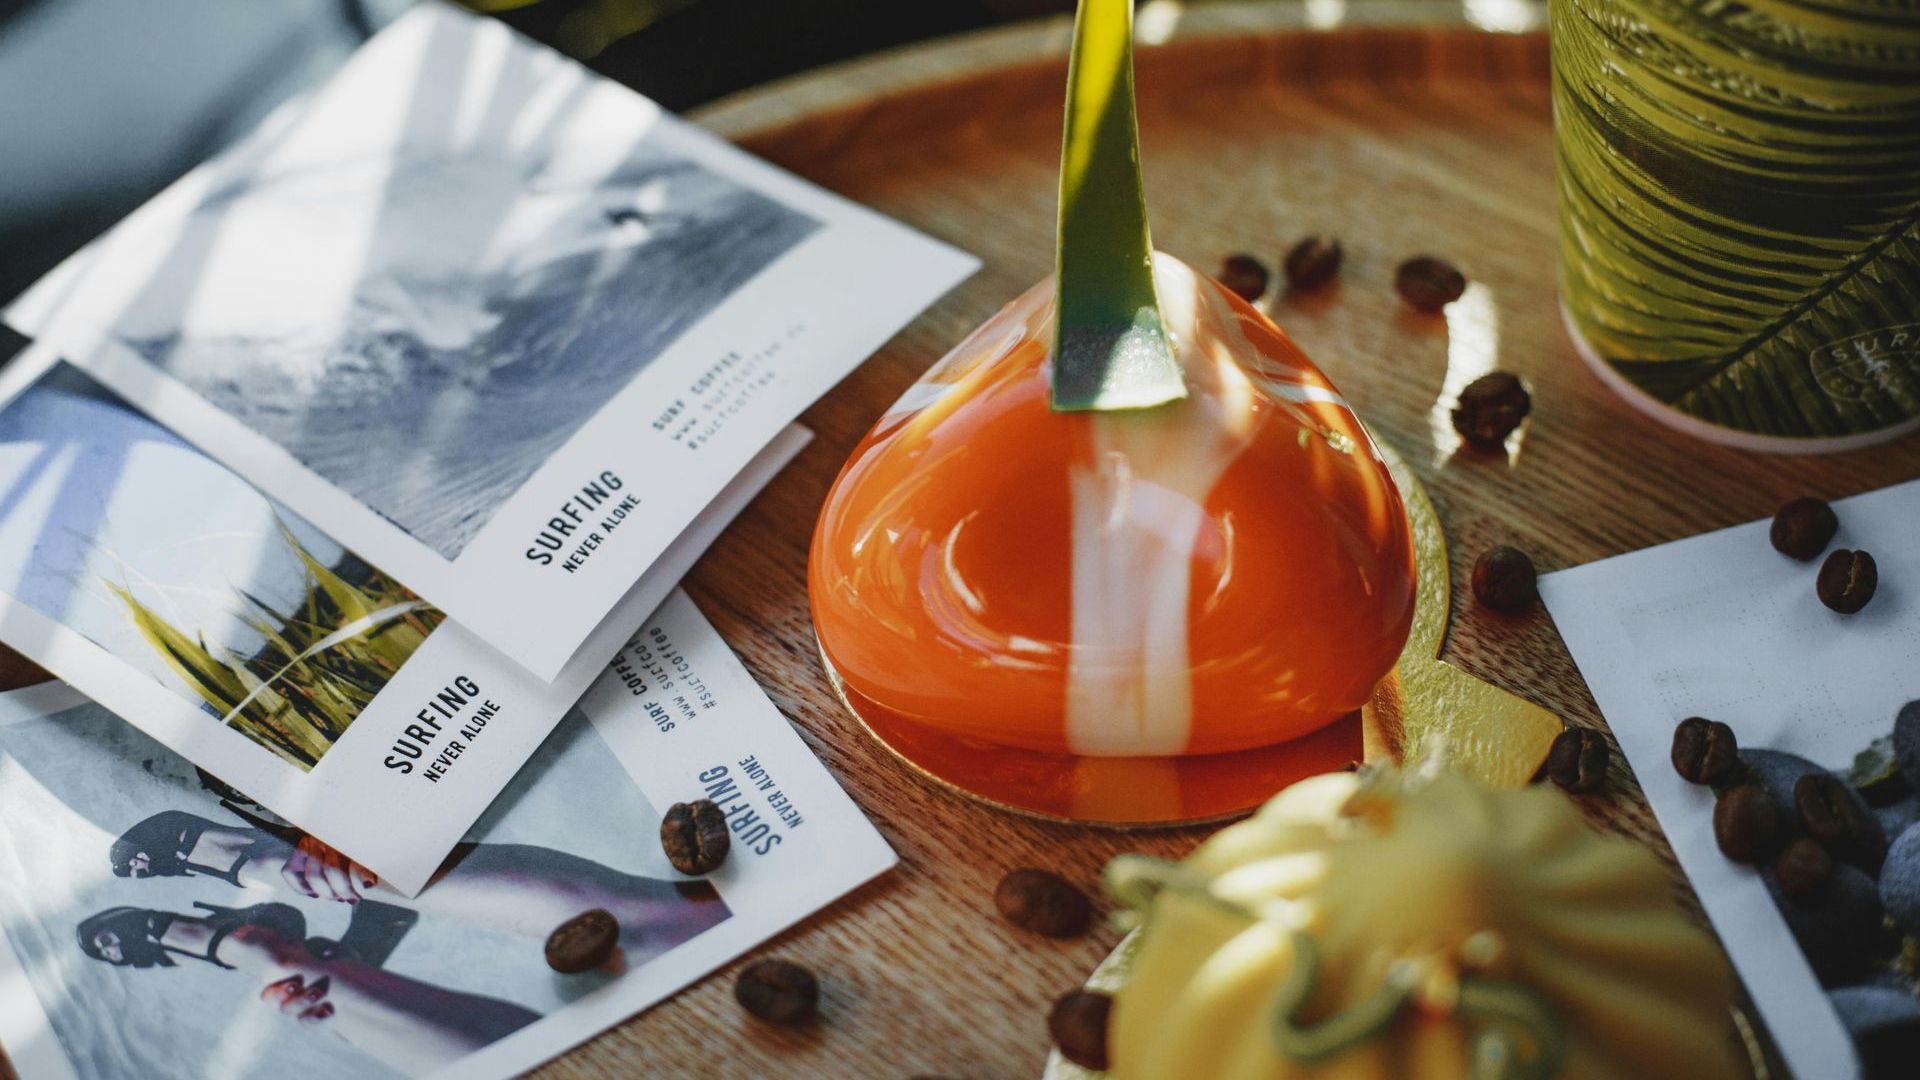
(1740, 212)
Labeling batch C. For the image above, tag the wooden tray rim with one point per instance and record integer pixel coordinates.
(863, 81)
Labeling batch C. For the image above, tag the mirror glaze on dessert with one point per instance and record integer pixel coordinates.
(1226, 572)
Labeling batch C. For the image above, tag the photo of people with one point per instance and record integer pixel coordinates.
(422, 318)
(239, 606)
(171, 930)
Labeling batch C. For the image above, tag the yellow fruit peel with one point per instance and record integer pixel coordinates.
(1429, 710)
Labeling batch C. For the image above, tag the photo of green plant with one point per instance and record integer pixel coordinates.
(236, 604)
(324, 662)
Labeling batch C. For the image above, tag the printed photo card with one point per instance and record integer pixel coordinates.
(1723, 627)
(258, 646)
(170, 929)
(497, 324)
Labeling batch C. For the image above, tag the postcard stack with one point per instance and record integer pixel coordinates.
(346, 486)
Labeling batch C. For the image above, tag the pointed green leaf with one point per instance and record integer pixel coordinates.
(1110, 347)
(314, 671)
(346, 599)
(189, 660)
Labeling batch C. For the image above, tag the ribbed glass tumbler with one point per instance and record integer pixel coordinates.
(1739, 193)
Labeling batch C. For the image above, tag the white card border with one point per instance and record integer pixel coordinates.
(1795, 1008)
(538, 615)
(755, 915)
(181, 727)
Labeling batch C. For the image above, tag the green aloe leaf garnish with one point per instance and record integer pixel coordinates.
(1110, 347)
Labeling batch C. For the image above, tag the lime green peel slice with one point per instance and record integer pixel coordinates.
(1110, 350)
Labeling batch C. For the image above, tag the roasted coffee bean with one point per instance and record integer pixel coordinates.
(1490, 407)
(1078, 1023)
(1847, 580)
(1803, 528)
(1748, 824)
(1428, 284)
(1578, 759)
(1802, 867)
(1834, 815)
(778, 991)
(694, 836)
(1504, 580)
(1245, 275)
(1043, 902)
(583, 942)
(1705, 751)
(1312, 263)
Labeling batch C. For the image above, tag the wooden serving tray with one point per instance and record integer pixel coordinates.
(1402, 129)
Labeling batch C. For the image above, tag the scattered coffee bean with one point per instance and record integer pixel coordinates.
(1078, 1023)
(1245, 275)
(1312, 263)
(778, 991)
(1578, 759)
(1847, 580)
(1044, 902)
(1705, 751)
(1504, 580)
(694, 836)
(1490, 407)
(583, 942)
(1802, 867)
(1748, 824)
(1832, 814)
(1803, 528)
(1428, 284)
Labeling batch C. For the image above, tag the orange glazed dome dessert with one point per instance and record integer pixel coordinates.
(1228, 571)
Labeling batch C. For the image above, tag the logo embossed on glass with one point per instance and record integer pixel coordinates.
(1868, 365)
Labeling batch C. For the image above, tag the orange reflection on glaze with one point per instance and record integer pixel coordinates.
(1228, 572)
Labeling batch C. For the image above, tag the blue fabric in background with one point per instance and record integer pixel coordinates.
(105, 102)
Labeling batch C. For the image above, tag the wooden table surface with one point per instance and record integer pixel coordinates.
(1402, 131)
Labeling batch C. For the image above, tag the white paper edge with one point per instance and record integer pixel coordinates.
(920, 271)
(26, 1033)
(163, 714)
(1799, 1018)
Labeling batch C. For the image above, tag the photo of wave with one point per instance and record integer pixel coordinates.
(423, 328)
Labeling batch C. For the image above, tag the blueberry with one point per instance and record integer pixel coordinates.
(1778, 771)
(1906, 742)
(1867, 1008)
(1900, 880)
(1889, 979)
(1837, 925)
(1885, 1025)
(1895, 818)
